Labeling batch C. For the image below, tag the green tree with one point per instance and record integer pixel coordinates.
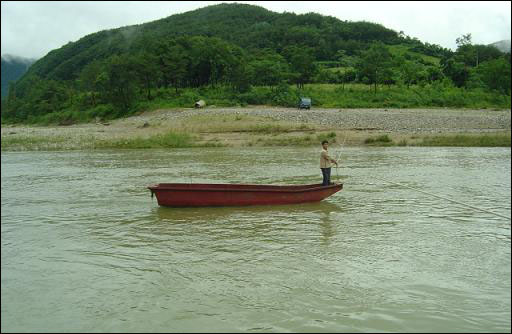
(434, 73)
(456, 71)
(349, 75)
(302, 64)
(91, 80)
(495, 74)
(145, 67)
(473, 55)
(268, 70)
(374, 63)
(175, 66)
(172, 61)
(463, 40)
(121, 83)
(238, 73)
(409, 72)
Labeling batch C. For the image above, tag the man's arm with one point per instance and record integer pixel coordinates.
(326, 156)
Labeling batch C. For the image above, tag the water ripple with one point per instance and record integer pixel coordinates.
(82, 240)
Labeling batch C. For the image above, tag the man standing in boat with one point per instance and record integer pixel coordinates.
(326, 163)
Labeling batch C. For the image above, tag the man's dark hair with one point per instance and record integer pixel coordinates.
(325, 142)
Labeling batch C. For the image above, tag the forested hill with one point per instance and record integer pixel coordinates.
(246, 26)
(248, 55)
(252, 27)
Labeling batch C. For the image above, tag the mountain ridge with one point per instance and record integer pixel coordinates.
(503, 45)
(250, 27)
(13, 67)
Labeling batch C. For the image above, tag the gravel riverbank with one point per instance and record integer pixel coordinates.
(391, 120)
(247, 126)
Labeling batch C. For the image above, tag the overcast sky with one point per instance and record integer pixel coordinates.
(33, 28)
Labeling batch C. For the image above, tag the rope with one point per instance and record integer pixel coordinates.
(445, 198)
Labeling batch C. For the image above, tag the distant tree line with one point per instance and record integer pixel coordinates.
(478, 66)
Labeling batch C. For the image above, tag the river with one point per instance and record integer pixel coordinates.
(86, 249)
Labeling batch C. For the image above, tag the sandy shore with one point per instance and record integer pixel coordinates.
(250, 125)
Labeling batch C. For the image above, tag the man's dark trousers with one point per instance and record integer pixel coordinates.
(326, 173)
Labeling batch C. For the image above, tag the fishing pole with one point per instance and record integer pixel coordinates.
(339, 153)
(339, 156)
(445, 198)
(426, 192)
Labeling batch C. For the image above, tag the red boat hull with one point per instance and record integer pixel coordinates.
(183, 194)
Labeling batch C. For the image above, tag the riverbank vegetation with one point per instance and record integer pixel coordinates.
(458, 140)
(277, 133)
(92, 142)
(255, 57)
(438, 95)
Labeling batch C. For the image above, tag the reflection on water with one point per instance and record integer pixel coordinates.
(214, 213)
(83, 240)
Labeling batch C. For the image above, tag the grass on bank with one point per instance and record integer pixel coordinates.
(171, 139)
(458, 140)
(382, 140)
(166, 140)
(42, 143)
(57, 143)
(297, 141)
(486, 140)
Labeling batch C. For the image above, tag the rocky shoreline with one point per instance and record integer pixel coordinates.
(390, 120)
(222, 126)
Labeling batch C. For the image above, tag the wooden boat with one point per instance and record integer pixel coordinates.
(184, 194)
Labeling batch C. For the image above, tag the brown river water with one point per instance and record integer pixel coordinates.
(86, 249)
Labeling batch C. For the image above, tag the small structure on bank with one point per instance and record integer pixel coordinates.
(200, 104)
